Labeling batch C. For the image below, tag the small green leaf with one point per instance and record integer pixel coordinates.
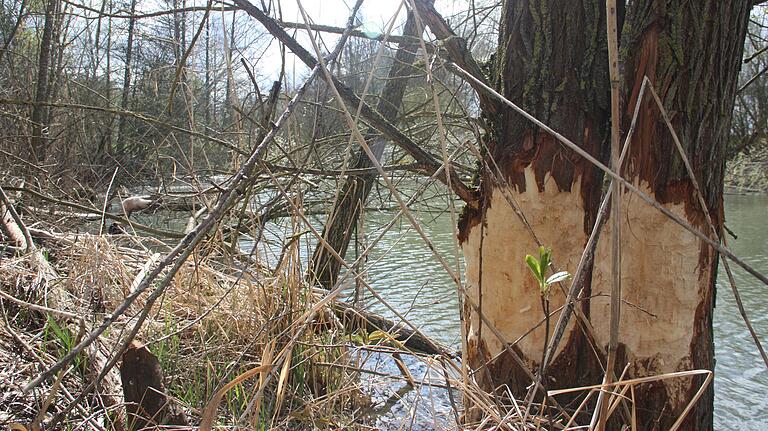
(534, 265)
(377, 335)
(63, 337)
(545, 258)
(559, 276)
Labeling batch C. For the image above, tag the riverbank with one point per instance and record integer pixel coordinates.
(748, 173)
(208, 347)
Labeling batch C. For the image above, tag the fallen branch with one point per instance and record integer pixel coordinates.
(355, 319)
(98, 212)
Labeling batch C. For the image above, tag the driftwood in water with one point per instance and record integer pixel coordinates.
(156, 202)
(146, 401)
(355, 318)
(137, 203)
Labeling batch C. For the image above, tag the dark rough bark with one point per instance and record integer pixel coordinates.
(552, 61)
(692, 55)
(341, 222)
(40, 110)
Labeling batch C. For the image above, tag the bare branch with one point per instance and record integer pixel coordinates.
(429, 161)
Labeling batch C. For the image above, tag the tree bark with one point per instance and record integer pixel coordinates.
(125, 94)
(552, 61)
(40, 110)
(691, 53)
(341, 221)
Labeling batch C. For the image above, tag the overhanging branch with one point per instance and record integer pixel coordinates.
(430, 163)
(456, 48)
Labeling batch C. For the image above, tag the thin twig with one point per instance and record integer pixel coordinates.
(613, 343)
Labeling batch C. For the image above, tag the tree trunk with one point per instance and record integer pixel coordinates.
(691, 53)
(125, 94)
(341, 222)
(552, 61)
(12, 34)
(40, 110)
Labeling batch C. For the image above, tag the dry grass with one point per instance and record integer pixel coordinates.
(238, 352)
(213, 323)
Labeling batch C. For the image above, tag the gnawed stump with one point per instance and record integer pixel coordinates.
(147, 404)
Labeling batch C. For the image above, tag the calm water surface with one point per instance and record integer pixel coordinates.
(741, 379)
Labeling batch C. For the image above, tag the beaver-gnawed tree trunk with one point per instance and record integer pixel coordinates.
(552, 60)
(691, 53)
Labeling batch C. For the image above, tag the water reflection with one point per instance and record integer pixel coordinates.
(741, 379)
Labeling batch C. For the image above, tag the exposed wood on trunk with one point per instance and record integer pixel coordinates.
(549, 62)
(691, 53)
(147, 403)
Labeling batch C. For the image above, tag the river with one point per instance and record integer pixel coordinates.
(741, 379)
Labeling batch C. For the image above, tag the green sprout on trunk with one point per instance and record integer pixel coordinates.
(539, 269)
